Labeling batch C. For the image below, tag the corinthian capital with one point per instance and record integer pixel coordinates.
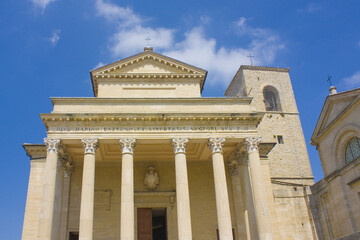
(179, 144)
(52, 144)
(90, 145)
(252, 143)
(127, 145)
(216, 144)
(233, 165)
(241, 157)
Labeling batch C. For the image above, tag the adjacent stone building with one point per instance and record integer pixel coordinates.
(149, 158)
(336, 200)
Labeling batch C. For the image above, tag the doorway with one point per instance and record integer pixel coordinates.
(151, 224)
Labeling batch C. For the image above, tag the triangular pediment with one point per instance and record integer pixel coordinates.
(334, 107)
(147, 64)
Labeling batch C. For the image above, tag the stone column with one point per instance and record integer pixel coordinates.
(58, 199)
(87, 190)
(65, 201)
(248, 211)
(241, 224)
(127, 189)
(182, 189)
(48, 198)
(221, 192)
(258, 188)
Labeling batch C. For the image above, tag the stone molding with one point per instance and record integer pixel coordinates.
(179, 144)
(52, 144)
(216, 144)
(240, 119)
(90, 145)
(277, 69)
(252, 143)
(127, 145)
(35, 151)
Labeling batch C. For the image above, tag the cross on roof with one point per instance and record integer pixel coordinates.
(250, 56)
(329, 80)
(147, 40)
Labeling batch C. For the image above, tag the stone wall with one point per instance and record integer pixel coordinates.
(107, 218)
(33, 200)
(288, 165)
(337, 195)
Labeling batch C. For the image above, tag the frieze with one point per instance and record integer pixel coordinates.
(152, 129)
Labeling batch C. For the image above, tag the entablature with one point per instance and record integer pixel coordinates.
(35, 151)
(152, 105)
(191, 120)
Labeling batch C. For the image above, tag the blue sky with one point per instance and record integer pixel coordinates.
(48, 47)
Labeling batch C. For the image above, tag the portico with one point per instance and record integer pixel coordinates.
(184, 150)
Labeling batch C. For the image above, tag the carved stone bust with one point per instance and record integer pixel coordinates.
(151, 180)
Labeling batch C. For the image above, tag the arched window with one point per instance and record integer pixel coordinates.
(271, 99)
(352, 150)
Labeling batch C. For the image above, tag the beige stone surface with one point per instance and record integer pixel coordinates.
(33, 200)
(87, 198)
(127, 197)
(182, 190)
(336, 197)
(47, 218)
(222, 197)
(154, 99)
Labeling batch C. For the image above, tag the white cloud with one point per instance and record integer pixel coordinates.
(222, 62)
(195, 48)
(55, 37)
(129, 41)
(205, 19)
(100, 64)
(311, 7)
(124, 16)
(242, 28)
(131, 34)
(352, 81)
(41, 4)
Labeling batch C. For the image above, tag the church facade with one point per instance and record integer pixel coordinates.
(335, 200)
(148, 158)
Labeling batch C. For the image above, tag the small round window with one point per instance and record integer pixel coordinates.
(352, 150)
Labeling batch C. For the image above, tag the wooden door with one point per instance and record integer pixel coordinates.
(144, 224)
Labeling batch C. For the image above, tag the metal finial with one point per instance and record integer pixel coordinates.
(250, 56)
